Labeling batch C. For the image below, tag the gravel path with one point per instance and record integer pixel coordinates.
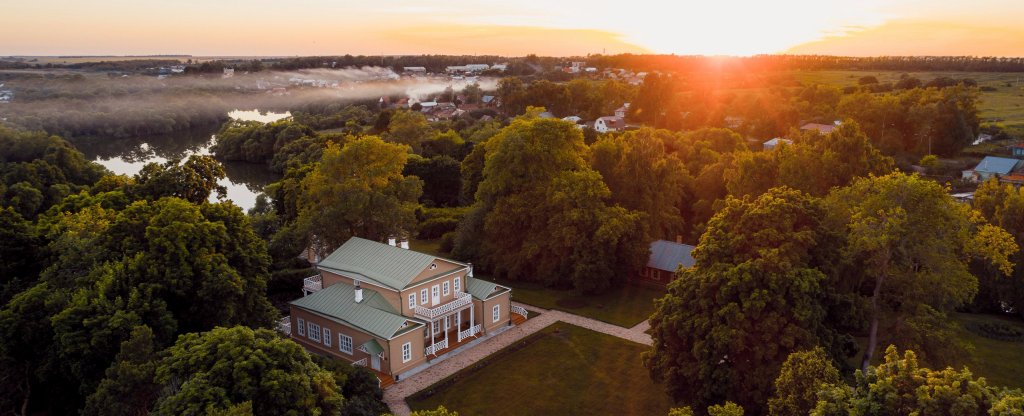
(395, 395)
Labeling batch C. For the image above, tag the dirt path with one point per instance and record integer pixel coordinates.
(395, 395)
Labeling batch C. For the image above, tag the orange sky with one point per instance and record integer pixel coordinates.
(565, 27)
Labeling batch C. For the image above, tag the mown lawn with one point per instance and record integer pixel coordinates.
(561, 370)
(1000, 362)
(625, 306)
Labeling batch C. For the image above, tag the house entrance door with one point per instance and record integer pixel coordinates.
(375, 362)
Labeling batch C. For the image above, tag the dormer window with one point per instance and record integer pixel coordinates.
(433, 266)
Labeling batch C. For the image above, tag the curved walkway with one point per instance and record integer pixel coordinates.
(395, 395)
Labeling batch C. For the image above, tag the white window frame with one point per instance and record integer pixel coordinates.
(446, 288)
(301, 327)
(457, 283)
(327, 337)
(343, 341)
(314, 332)
(496, 313)
(423, 296)
(406, 352)
(435, 292)
(412, 301)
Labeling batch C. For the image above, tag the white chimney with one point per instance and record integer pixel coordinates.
(359, 294)
(391, 241)
(405, 244)
(470, 272)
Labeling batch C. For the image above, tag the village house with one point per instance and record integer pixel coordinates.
(621, 111)
(992, 166)
(821, 128)
(666, 257)
(395, 310)
(774, 143)
(609, 123)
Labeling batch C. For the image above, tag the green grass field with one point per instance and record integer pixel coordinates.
(1004, 106)
(625, 306)
(561, 370)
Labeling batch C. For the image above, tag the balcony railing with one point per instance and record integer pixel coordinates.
(469, 333)
(312, 284)
(459, 302)
(519, 310)
(360, 363)
(433, 349)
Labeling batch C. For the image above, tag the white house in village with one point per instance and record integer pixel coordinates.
(609, 124)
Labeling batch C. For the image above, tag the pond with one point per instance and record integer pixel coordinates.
(244, 181)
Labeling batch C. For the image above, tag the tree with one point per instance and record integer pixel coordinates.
(440, 411)
(536, 181)
(128, 388)
(900, 387)
(409, 128)
(912, 243)
(441, 176)
(192, 181)
(359, 190)
(1002, 205)
(754, 296)
(642, 176)
(727, 409)
(803, 375)
(229, 366)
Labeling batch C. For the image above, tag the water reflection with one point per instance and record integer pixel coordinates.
(244, 181)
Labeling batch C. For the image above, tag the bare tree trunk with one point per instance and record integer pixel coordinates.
(873, 334)
(28, 394)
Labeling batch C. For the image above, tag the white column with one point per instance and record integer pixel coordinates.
(432, 335)
(471, 313)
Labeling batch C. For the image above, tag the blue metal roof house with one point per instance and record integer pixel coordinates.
(992, 166)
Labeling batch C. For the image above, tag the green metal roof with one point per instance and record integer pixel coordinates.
(337, 302)
(482, 289)
(371, 347)
(378, 263)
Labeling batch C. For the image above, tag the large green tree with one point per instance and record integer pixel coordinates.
(1002, 205)
(911, 243)
(359, 190)
(803, 375)
(225, 367)
(643, 176)
(536, 181)
(754, 296)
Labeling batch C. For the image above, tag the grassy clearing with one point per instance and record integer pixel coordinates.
(1000, 362)
(1004, 106)
(561, 370)
(625, 306)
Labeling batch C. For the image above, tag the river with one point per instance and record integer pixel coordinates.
(244, 181)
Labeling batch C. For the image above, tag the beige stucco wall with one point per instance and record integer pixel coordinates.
(395, 351)
(483, 312)
(392, 348)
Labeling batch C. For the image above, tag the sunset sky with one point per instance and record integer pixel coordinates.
(565, 27)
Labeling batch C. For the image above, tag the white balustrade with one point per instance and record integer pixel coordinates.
(433, 349)
(360, 363)
(519, 310)
(312, 284)
(430, 313)
(475, 329)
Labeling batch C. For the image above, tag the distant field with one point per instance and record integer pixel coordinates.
(1004, 106)
(561, 370)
